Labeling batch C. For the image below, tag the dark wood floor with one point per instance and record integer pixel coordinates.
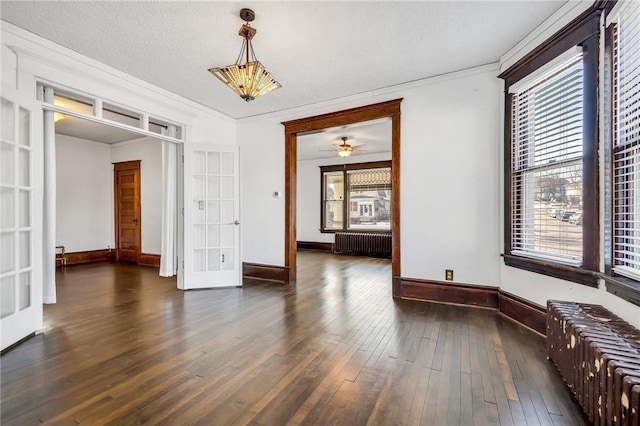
(123, 346)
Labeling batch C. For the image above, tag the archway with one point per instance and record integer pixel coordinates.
(292, 128)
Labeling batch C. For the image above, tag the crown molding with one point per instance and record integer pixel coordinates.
(567, 12)
(370, 96)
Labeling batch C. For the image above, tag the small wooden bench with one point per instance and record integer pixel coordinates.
(60, 256)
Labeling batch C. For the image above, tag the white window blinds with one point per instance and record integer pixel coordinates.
(547, 141)
(626, 140)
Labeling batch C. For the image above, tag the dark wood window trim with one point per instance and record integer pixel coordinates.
(582, 31)
(344, 168)
(626, 288)
(564, 272)
(356, 166)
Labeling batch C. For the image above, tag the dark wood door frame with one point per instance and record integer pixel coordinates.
(127, 165)
(292, 128)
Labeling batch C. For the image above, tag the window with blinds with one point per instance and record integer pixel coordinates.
(626, 141)
(547, 164)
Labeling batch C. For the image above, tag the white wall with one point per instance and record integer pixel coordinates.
(539, 288)
(308, 194)
(449, 176)
(84, 198)
(449, 180)
(149, 151)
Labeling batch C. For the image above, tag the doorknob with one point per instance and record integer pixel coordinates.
(135, 220)
(236, 222)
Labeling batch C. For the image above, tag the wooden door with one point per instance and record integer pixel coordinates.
(127, 208)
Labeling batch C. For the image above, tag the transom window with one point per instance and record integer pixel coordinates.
(356, 197)
(68, 103)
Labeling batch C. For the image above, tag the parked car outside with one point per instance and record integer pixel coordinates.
(555, 212)
(567, 215)
(576, 218)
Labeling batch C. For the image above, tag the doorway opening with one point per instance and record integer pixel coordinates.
(108, 194)
(295, 128)
(125, 135)
(344, 189)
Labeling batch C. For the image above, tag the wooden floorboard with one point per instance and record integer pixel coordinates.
(123, 346)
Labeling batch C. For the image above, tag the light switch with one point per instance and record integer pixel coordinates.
(201, 204)
(276, 194)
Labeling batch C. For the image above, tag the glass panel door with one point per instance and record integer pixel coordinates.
(20, 302)
(211, 217)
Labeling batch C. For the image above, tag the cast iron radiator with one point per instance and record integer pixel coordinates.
(598, 356)
(371, 244)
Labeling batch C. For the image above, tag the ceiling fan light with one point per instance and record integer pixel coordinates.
(344, 153)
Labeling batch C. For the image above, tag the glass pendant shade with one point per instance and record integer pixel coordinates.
(250, 79)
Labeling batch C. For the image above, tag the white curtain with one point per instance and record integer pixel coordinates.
(49, 206)
(168, 259)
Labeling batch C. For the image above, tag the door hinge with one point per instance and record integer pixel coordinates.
(183, 158)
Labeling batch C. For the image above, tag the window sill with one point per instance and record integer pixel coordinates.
(355, 231)
(625, 288)
(564, 272)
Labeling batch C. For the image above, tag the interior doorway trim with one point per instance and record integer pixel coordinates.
(292, 128)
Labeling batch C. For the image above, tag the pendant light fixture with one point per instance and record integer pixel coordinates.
(250, 79)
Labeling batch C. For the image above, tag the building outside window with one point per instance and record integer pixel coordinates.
(356, 197)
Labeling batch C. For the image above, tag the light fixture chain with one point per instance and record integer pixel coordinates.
(242, 50)
(253, 54)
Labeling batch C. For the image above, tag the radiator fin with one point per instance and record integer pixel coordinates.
(598, 356)
(363, 243)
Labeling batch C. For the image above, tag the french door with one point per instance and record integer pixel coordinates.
(20, 218)
(212, 213)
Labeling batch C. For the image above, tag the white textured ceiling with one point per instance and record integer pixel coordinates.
(316, 50)
(92, 131)
(368, 137)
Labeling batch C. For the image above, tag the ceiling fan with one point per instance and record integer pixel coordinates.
(344, 149)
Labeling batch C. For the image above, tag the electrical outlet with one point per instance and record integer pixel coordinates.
(448, 274)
